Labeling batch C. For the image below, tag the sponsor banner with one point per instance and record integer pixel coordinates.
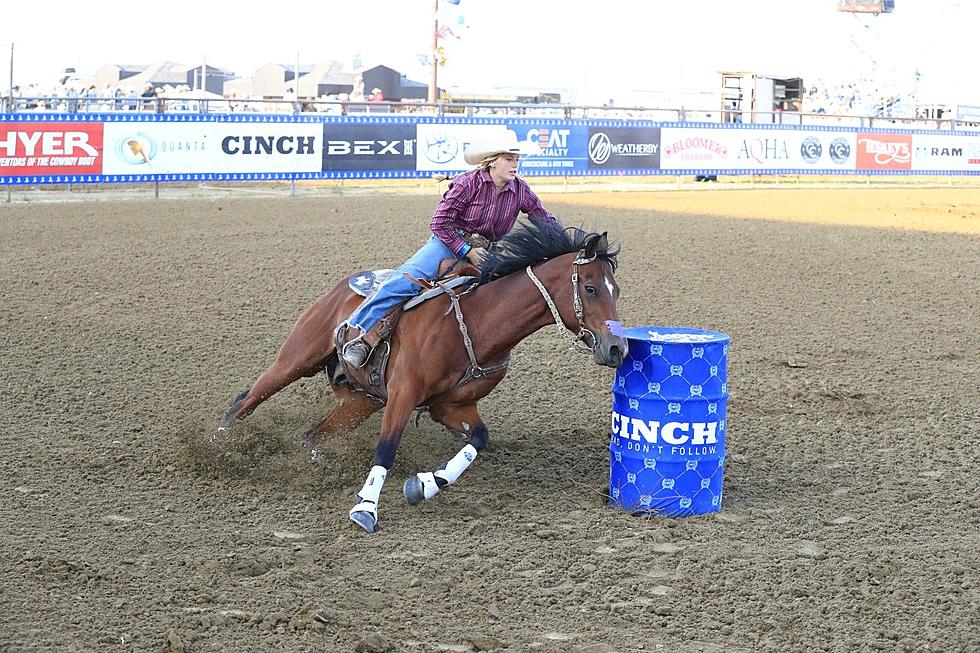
(55, 148)
(62, 148)
(367, 146)
(884, 151)
(945, 152)
(563, 148)
(154, 148)
(686, 148)
(439, 146)
(968, 113)
(693, 148)
(624, 148)
(760, 149)
(827, 150)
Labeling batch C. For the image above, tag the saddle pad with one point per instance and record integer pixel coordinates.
(366, 282)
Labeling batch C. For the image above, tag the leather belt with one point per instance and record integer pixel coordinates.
(475, 239)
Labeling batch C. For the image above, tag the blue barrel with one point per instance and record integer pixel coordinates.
(667, 441)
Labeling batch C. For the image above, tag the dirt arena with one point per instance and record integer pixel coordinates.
(852, 494)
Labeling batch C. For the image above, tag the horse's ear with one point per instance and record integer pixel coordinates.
(596, 243)
(603, 244)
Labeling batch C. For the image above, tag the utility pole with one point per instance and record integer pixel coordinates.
(434, 72)
(10, 98)
(10, 91)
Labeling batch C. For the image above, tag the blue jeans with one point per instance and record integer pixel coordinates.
(396, 289)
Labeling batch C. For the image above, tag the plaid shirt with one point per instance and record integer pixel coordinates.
(472, 204)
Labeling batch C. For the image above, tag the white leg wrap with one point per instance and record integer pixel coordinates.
(368, 496)
(365, 506)
(457, 465)
(429, 486)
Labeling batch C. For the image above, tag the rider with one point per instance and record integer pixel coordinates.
(482, 202)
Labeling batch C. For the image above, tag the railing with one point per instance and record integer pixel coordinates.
(190, 104)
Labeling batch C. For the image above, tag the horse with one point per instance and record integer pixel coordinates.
(536, 275)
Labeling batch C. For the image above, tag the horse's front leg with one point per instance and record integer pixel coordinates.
(397, 413)
(463, 420)
(351, 409)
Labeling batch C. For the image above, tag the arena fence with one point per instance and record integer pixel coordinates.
(133, 146)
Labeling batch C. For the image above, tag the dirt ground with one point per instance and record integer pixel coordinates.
(852, 495)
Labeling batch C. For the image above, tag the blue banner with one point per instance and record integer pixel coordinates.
(563, 150)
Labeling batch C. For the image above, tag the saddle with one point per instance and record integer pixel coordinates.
(370, 378)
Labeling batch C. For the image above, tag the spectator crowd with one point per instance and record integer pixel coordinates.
(860, 97)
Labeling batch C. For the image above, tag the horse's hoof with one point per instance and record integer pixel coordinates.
(365, 520)
(413, 490)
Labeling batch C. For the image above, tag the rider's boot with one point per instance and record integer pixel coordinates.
(357, 350)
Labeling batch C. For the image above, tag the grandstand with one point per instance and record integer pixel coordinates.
(861, 96)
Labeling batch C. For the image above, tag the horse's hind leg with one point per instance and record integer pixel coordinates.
(305, 352)
(280, 374)
(465, 421)
(352, 408)
(233, 410)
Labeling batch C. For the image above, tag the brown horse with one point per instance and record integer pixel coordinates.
(451, 351)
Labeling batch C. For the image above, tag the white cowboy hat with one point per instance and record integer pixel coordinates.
(506, 141)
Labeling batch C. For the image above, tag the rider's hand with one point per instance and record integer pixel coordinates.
(476, 255)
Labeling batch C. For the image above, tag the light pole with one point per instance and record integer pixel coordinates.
(10, 98)
(434, 71)
(10, 89)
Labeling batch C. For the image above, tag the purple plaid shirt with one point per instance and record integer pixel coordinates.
(473, 205)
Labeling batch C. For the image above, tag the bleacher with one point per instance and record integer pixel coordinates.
(861, 97)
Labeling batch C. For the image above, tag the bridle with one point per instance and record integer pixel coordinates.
(577, 340)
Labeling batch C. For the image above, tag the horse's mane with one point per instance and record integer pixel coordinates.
(533, 242)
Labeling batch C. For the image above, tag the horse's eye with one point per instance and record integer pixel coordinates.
(591, 291)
